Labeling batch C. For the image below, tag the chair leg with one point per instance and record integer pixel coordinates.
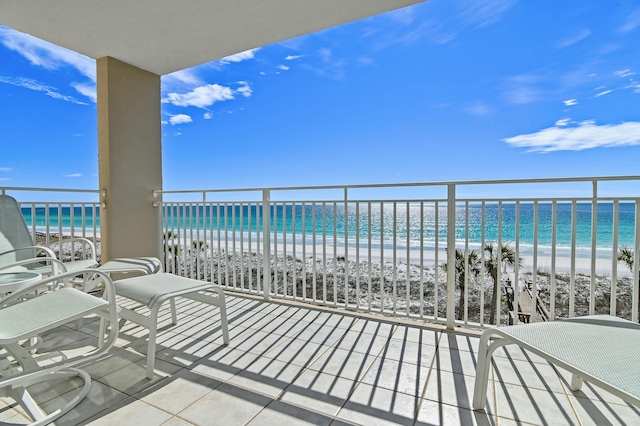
(218, 301)
(174, 317)
(223, 317)
(39, 417)
(485, 353)
(23, 397)
(576, 382)
(102, 331)
(151, 348)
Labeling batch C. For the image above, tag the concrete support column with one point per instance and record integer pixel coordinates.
(130, 153)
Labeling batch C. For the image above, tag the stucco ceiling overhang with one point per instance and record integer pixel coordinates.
(163, 36)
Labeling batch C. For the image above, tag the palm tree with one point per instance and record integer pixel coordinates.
(200, 245)
(625, 255)
(169, 246)
(473, 268)
(508, 258)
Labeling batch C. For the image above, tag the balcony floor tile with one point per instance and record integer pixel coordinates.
(292, 364)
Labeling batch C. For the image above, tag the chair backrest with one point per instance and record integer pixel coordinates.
(13, 231)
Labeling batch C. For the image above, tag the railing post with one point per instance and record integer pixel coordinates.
(594, 246)
(266, 242)
(636, 264)
(451, 255)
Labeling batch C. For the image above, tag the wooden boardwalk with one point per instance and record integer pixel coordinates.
(528, 309)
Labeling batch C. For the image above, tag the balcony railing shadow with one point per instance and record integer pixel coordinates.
(294, 365)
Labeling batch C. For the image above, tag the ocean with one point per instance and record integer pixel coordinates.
(414, 225)
(401, 224)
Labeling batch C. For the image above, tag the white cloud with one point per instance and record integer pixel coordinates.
(183, 80)
(180, 119)
(325, 54)
(570, 102)
(283, 67)
(331, 67)
(480, 13)
(86, 89)
(478, 109)
(245, 90)
(207, 116)
(187, 76)
(239, 57)
(364, 61)
(604, 92)
(200, 97)
(28, 83)
(470, 14)
(51, 57)
(624, 73)
(45, 54)
(574, 39)
(292, 57)
(5, 169)
(523, 95)
(73, 175)
(522, 89)
(563, 122)
(585, 135)
(634, 86)
(632, 22)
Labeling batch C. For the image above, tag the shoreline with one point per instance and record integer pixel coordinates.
(603, 265)
(604, 261)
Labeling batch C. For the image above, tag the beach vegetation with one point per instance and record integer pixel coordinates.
(200, 245)
(171, 248)
(508, 259)
(625, 256)
(471, 263)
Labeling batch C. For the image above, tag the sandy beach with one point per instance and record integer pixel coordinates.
(429, 257)
(407, 281)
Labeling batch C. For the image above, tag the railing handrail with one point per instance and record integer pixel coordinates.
(101, 194)
(473, 201)
(21, 188)
(405, 184)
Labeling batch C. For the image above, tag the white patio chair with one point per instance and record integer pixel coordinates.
(16, 242)
(17, 250)
(24, 318)
(601, 349)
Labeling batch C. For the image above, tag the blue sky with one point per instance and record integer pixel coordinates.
(444, 90)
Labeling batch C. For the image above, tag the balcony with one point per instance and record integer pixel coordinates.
(294, 364)
(314, 340)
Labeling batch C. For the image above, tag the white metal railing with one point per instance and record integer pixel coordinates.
(383, 248)
(388, 255)
(50, 221)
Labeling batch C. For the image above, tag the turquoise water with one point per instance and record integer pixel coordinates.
(62, 218)
(414, 225)
(400, 226)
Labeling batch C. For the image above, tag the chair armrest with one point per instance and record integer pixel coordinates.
(35, 249)
(57, 267)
